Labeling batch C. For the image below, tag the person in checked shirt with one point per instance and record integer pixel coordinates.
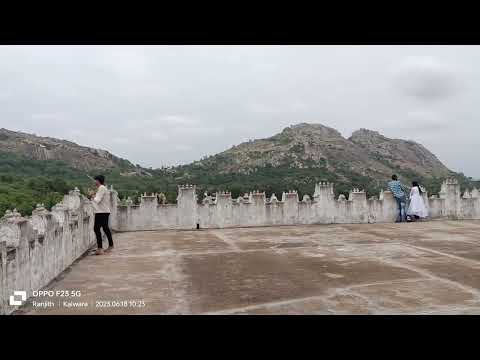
(399, 193)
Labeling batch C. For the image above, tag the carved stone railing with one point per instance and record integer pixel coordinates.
(35, 250)
(255, 209)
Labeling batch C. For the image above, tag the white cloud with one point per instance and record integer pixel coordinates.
(156, 135)
(173, 104)
(291, 107)
(194, 131)
(426, 78)
(176, 120)
(121, 140)
(46, 116)
(422, 121)
(183, 147)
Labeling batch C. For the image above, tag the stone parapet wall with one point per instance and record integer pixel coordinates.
(254, 209)
(35, 250)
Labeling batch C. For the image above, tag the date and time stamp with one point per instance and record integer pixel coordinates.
(71, 299)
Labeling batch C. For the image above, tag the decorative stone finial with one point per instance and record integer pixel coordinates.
(12, 216)
(451, 181)
(59, 207)
(75, 191)
(186, 186)
(475, 193)
(40, 207)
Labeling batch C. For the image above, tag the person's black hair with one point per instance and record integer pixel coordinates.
(394, 177)
(414, 183)
(100, 178)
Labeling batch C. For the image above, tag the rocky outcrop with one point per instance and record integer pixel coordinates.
(366, 153)
(402, 153)
(46, 148)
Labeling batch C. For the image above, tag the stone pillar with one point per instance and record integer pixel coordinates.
(325, 207)
(187, 214)
(114, 201)
(258, 200)
(341, 215)
(475, 193)
(389, 206)
(3, 278)
(450, 191)
(148, 208)
(223, 216)
(359, 206)
(324, 192)
(290, 207)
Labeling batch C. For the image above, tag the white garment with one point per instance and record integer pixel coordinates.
(101, 201)
(417, 205)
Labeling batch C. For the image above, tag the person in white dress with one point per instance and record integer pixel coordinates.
(417, 206)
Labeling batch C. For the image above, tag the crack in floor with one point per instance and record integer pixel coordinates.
(350, 253)
(324, 297)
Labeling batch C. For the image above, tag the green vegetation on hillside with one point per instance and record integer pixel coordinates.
(24, 182)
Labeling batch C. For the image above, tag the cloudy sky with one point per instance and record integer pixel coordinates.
(165, 105)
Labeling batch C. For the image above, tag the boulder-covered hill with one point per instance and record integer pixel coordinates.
(405, 154)
(317, 151)
(296, 158)
(77, 156)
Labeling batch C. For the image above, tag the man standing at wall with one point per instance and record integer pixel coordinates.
(399, 192)
(101, 205)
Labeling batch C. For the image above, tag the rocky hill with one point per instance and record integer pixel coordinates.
(46, 148)
(400, 153)
(314, 146)
(296, 158)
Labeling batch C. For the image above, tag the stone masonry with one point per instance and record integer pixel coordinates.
(35, 250)
(254, 209)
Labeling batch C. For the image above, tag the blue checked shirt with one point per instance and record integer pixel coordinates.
(397, 188)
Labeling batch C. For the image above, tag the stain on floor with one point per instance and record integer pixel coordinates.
(419, 268)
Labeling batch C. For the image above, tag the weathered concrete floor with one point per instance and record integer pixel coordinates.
(417, 268)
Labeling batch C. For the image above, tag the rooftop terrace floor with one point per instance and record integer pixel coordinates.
(415, 268)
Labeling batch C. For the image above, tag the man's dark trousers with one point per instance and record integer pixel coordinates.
(401, 203)
(101, 221)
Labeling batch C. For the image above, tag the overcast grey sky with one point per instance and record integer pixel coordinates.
(165, 105)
